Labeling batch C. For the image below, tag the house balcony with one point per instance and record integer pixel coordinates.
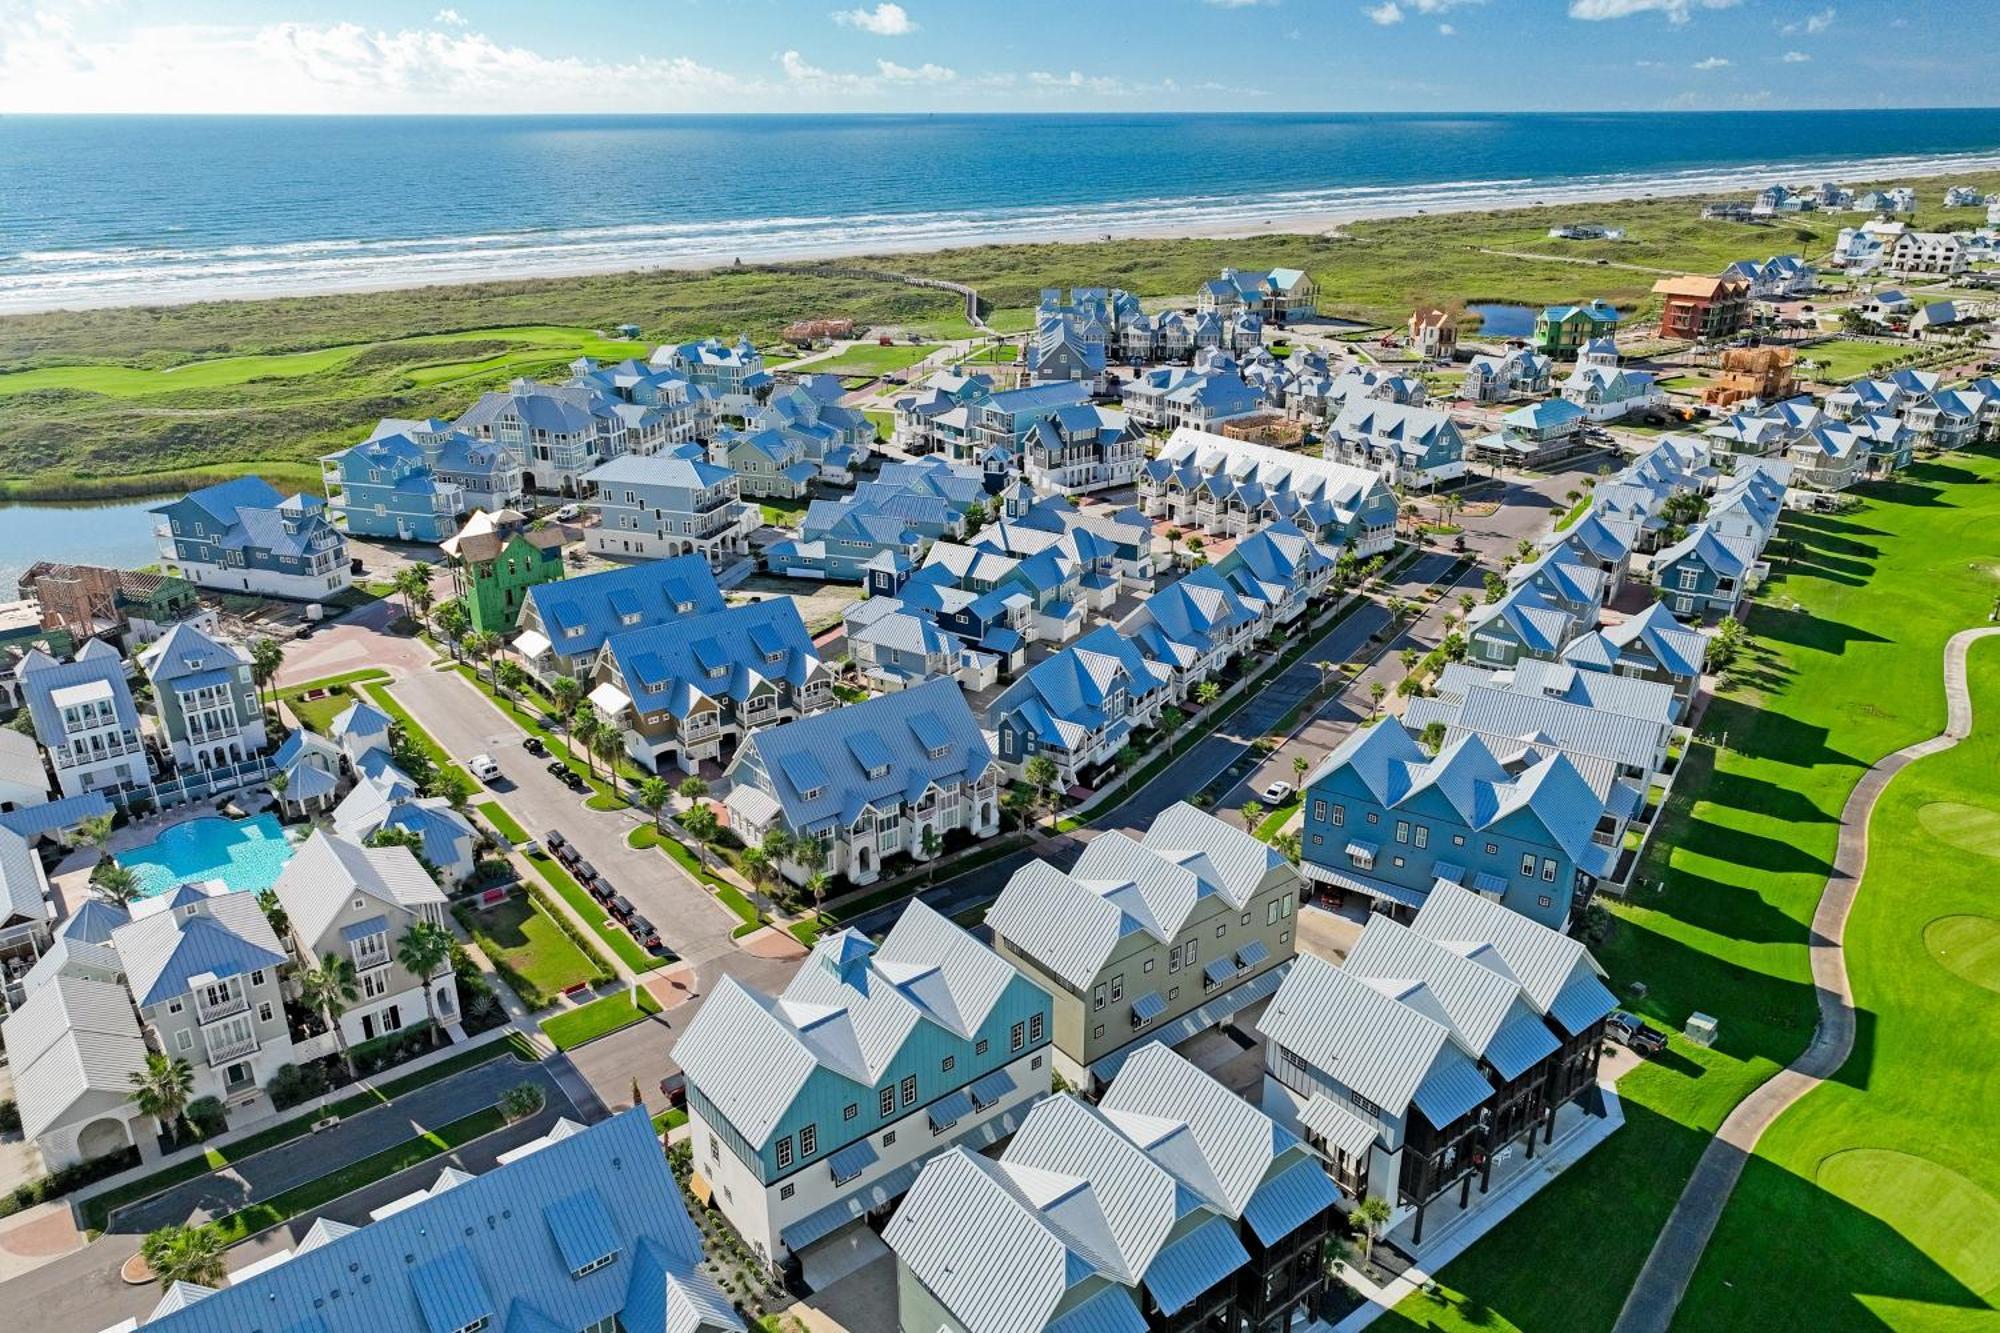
(365, 959)
(206, 1013)
(221, 1052)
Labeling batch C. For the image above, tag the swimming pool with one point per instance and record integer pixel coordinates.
(242, 853)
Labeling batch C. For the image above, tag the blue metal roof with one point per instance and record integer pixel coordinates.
(1219, 970)
(451, 1292)
(1187, 1267)
(582, 1227)
(1251, 954)
(868, 750)
(1289, 1200)
(1111, 1310)
(1520, 1042)
(51, 816)
(1148, 1006)
(360, 930)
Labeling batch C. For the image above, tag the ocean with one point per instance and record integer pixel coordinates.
(116, 210)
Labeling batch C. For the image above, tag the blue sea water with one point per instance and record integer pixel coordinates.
(114, 209)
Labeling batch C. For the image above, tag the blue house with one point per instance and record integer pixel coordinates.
(1386, 821)
(411, 480)
(579, 1229)
(1081, 706)
(1195, 625)
(243, 536)
(901, 512)
(1704, 575)
(1650, 646)
(565, 622)
(1523, 623)
(812, 1111)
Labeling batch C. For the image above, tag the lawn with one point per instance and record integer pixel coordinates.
(614, 937)
(528, 948)
(993, 354)
(318, 714)
(783, 513)
(1889, 1168)
(872, 359)
(1845, 359)
(600, 1017)
(1719, 919)
(503, 823)
(247, 1222)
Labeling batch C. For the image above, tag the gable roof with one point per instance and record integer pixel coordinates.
(1555, 972)
(164, 950)
(329, 870)
(72, 1043)
(578, 614)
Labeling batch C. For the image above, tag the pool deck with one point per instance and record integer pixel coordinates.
(69, 884)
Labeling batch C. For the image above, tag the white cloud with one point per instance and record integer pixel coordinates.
(1440, 6)
(1713, 62)
(1075, 80)
(1676, 11)
(1811, 25)
(885, 20)
(1794, 58)
(924, 73)
(449, 18)
(1386, 13)
(1446, 30)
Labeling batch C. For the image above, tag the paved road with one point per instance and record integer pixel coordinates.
(1657, 1293)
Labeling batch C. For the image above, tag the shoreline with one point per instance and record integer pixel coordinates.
(1171, 220)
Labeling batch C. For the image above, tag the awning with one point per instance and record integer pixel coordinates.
(1148, 1007)
(948, 1110)
(1185, 1268)
(1449, 873)
(361, 930)
(852, 1160)
(531, 643)
(1363, 852)
(1218, 1010)
(1335, 1126)
(1341, 878)
(1251, 954)
(608, 699)
(988, 1092)
(1219, 970)
(1494, 885)
(1289, 1200)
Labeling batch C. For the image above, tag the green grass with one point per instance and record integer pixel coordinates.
(1845, 359)
(503, 823)
(885, 422)
(872, 359)
(528, 948)
(614, 938)
(587, 1022)
(783, 513)
(318, 714)
(993, 354)
(671, 1118)
(1719, 917)
(283, 381)
(1274, 823)
(1572, 514)
(247, 1222)
(1889, 1167)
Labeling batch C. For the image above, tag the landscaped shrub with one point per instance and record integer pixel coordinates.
(205, 1117)
(10, 1117)
(293, 1084)
(58, 1183)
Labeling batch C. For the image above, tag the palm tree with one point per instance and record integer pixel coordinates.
(1173, 546)
(1042, 777)
(194, 1254)
(777, 845)
(408, 579)
(277, 782)
(929, 844)
(114, 884)
(816, 886)
(327, 988)
(274, 912)
(164, 1088)
(702, 825)
(509, 678)
(1375, 693)
(266, 657)
(423, 594)
(486, 644)
(94, 832)
(693, 788)
(584, 724)
(424, 951)
(1207, 693)
(1466, 601)
(1370, 1215)
(1253, 812)
(756, 865)
(1288, 845)
(810, 855)
(565, 693)
(607, 744)
(653, 793)
(453, 620)
(1300, 766)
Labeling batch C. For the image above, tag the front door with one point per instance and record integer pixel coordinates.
(367, 1027)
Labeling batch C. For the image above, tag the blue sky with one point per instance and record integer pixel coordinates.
(486, 56)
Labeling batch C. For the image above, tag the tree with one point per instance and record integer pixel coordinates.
(1376, 692)
(777, 845)
(1408, 657)
(652, 794)
(1370, 1216)
(929, 844)
(584, 724)
(810, 856)
(816, 886)
(1466, 601)
(1496, 587)
(1173, 546)
(1300, 766)
(1288, 845)
(510, 678)
(693, 788)
(608, 744)
(163, 1089)
(452, 621)
(412, 581)
(278, 782)
(196, 1254)
(94, 832)
(425, 951)
(1432, 736)
(266, 656)
(487, 644)
(274, 912)
(755, 864)
(1207, 693)
(975, 517)
(521, 1101)
(1727, 644)
(114, 884)
(702, 824)
(565, 693)
(1171, 721)
(1253, 813)
(1043, 779)
(1196, 545)
(327, 988)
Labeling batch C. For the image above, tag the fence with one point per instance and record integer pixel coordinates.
(193, 784)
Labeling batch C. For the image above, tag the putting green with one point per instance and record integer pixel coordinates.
(1976, 828)
(1936, 1209)
(1967, 947)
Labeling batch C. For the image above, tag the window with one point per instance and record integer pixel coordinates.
(173, 1006)
(1246, 919)
(1118, 987)
(1339, 815)
(888, 1101)
(1493, 849)
(889, 1139)
(1035, 1027)
(715, 1149)
(1374, 816)
(1173, 993)
(979, 1047)
(910, 1090)
(1402, 830)
(1035, 1063)
(1148, 966)
(787, 1190)
(1689, 577)
(1458, 840)
(184, 1039)
(1397, 861)
(1549, 869)
(257, 977)
(1319, 810)
(784, 1152)
(1221, 930)
(1423, 836)
(1014, 1038)
(1097, 1031)
(946, 1063)
(264, 1013)
(808, 1140)
(1174, 959)
(1544, 901)
(849, 1111)
(1528, 864)
(601, 1261)
(1097, 997)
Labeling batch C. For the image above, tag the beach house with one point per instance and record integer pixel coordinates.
(1277, 294)
(668, 505)
(564, 622)
(207, 706)
(496, 557)
(1212, 484)
(243, 536)
(85, 719)
(1562, 330)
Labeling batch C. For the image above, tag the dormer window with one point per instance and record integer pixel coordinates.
(602, 1261)
(879, 771)
(629, 618)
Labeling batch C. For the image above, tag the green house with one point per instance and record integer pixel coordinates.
(1562, 330)
(498, 563)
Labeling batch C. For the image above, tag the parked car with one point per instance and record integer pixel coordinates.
(568, 512)
(1278, 793)
(557, 843)
(484, 767)
(1630, 1031)
(620, 908)
(643, 931)
(600, 889)
(555, 768)
(583, 869)
(533, 745)
(574, 780)
(1647, 1042)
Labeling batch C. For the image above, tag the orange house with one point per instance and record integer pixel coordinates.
(1702, 309)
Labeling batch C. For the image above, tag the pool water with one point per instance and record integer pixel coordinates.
(242, 853)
